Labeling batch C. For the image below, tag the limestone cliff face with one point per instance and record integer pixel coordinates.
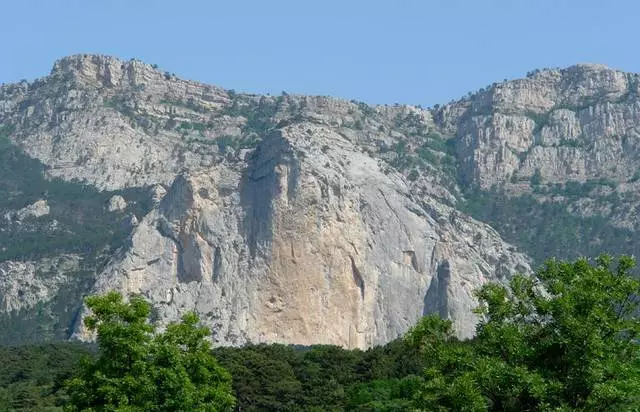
(25, 284)
(92, 119)
(289, 219)
(305, 246)
(576, 123)
(579, 125)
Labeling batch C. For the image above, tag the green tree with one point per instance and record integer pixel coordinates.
(263, 376)
(387, 395)
(139, 370)
(564, 340)
(447, 360)
(536, 178)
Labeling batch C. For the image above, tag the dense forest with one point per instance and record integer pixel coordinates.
(564, 340)
(265, 377)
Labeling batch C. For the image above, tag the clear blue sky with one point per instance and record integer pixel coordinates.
(417, 52)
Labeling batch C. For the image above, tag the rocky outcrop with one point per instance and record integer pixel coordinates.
(304, 245)
(35, 210)
(116, 204)
(293, 219)
(157, 193)
(577, 123)
(111, 123)
(24, 285)
(571, 136)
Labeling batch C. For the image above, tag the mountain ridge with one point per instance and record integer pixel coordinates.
(307, 219)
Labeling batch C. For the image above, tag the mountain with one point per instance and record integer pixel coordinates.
(552, 161)
(299, 219)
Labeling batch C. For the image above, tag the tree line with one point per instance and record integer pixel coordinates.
(565, 339)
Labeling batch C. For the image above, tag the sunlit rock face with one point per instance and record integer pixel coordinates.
(303, 245)
(291, 219)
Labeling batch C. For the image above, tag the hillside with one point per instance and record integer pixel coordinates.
(300, 219)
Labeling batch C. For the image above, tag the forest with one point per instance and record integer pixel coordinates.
(565, 339)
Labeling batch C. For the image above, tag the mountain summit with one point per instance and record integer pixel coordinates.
(299, 219)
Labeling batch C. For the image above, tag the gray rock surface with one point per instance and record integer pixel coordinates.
(575, 125)
(24, 284)
(35, 210)
(157, 193)
(116, 204)
(308, 219)
(304, 245)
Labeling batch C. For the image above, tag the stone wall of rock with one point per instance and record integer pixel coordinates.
(577, 123)
(304, 245)
(291, 219)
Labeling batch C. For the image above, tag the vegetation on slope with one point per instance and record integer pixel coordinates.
(31, 377)
(137, 369)
(543, 229)
(78, 223)
(563, 341)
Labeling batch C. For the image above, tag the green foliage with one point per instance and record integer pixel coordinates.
(435, 151)
(31, 376)
(123, 105)
(265, 377)
(226, 141)
(584, 103)
(573, 143)
(5, 131)
(564, 340)
(438, 143)
(427, 154)
(322, 378)
(136, 370)
(536, 178)
(50, 321)
(405, 159)
(400, 148)
(367, 110)
(540, 120)
(78, 222)
(388, 395)
(545, 229)
(83, 223)
(190, 104)
(259, 114)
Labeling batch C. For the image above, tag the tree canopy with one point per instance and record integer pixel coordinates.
(563, 340)
(137, 369)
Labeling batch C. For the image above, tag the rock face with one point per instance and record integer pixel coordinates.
(78, 121)
(303, 219)
(23, 285)
(575, 123)
(117, 203)
(35, 210)
(569, 136)
(308, 246)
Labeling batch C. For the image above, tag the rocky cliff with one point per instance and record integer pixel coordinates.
(306, 245)
(553, 160)
(575, 123)
(293, 218)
